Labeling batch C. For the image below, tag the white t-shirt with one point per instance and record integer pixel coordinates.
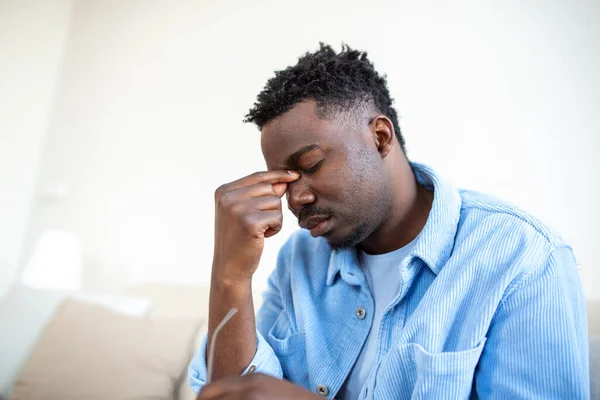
(382, 272)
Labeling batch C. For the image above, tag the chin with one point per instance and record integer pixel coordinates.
(349, 240)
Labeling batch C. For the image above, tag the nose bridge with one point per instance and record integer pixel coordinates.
(299, 194)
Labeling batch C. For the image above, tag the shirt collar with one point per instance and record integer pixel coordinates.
(436, 240)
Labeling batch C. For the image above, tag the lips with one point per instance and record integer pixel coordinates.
(311, 222)
(317, 225)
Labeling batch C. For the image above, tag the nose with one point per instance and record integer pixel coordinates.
(298, 196)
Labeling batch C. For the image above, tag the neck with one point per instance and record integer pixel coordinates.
(408, 214)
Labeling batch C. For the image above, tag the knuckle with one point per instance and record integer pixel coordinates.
(261, 175)
(268, 187)
(256, 384)
(220, 191)
(270, 201)
(238, 210)
(248, 220)
(226, 200)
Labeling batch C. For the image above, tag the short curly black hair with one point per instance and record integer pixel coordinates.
(338, 81)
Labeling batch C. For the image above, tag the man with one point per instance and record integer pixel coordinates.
(399, 286)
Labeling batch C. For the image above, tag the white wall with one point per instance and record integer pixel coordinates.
(32, 38)
(147, 120)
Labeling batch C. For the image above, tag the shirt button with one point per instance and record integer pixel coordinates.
(322, 390)
(361, 313)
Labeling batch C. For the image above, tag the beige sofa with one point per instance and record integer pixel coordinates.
(100, 350)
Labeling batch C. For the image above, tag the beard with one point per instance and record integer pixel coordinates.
(361, 231)
(358, 234)
(363, 225)
(368, 202)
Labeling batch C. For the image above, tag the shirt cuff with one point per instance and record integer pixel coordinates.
(264, 360)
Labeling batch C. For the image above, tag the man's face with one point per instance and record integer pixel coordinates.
(343, 193)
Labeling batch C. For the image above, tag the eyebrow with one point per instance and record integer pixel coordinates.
(293, 159)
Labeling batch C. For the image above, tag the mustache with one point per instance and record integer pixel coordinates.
(313, 211)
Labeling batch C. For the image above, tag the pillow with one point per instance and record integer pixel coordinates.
(173, 300)
(25, 311)
(132, 306)
(90, 352)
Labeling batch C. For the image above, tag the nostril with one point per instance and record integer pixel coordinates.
(294, 211)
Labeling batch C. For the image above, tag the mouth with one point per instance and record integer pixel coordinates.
(317, 225)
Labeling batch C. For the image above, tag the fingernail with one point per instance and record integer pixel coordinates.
(294, 174)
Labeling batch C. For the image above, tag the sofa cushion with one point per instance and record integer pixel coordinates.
(90, 352)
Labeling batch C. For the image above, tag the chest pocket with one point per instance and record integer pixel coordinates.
(290, 349)
(411, 372)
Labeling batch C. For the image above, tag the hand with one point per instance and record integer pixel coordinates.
(255, 386)
(247, 211)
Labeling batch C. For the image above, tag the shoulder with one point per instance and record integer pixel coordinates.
(489, 213)
(499, 236)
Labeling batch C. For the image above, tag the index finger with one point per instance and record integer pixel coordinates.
(273, 176)
(211, 391)
(222, 388)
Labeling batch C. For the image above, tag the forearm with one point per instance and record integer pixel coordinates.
(236, 342)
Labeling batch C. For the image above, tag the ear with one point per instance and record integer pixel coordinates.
(383, 133)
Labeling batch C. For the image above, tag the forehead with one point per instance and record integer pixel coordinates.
(299, 127)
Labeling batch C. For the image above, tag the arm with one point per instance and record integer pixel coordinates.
(537, 344)
(267, 382)
(236, 343)
(264, 359)
(246, 212)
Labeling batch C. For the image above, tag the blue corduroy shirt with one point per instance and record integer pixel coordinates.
(490, 306)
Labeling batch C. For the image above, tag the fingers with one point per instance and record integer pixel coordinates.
(274, 221)
(253, 386)
(257, 222)
(223, 389)
(245, 209)
(211, 392)
(266, 220)
(240, 204)
(265, 203)
(258, 190)
(280, 188)
(272, 177)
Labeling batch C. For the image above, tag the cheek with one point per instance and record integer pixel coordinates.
(332, 187)
(346, 180)
(336, 194)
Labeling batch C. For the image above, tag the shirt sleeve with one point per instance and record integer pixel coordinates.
(264, 359)
(537, 345)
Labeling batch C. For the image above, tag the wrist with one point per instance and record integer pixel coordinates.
(230, 284)
(230, 275)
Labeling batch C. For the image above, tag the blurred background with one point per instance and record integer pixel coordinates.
(118, 119)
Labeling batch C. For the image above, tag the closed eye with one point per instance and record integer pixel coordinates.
(314, 168)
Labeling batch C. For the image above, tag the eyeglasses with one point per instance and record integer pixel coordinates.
(211, 351)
